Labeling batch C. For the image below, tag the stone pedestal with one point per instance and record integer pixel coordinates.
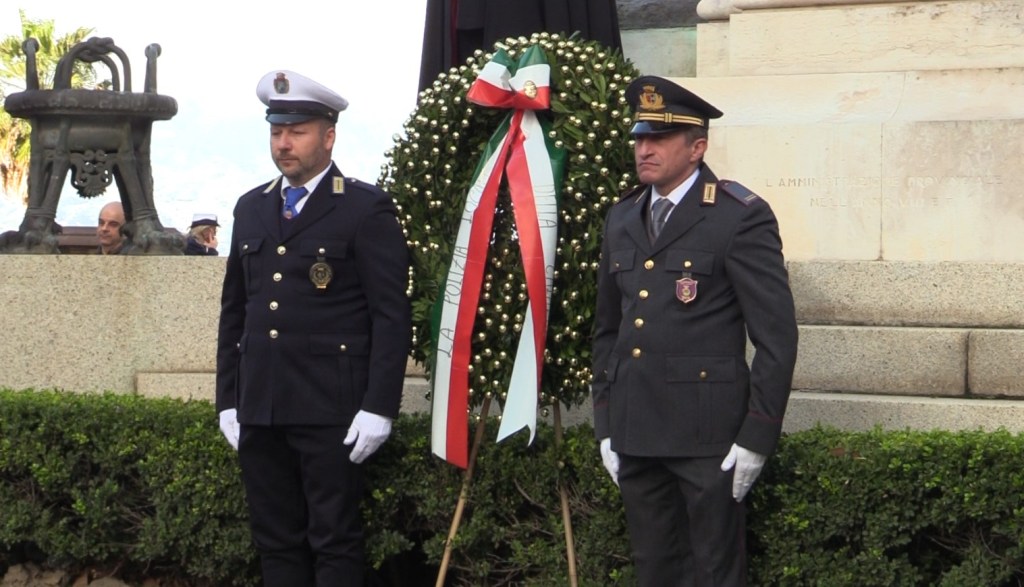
(889, 139)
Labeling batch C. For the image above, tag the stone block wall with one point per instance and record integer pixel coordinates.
(148, 325)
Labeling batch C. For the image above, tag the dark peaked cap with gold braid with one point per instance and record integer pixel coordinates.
(660, 105)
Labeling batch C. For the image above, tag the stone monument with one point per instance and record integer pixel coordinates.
(101, 136)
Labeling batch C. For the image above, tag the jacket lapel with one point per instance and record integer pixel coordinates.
(636, 220)
(319, 204)
(270, 208)
(687, 214)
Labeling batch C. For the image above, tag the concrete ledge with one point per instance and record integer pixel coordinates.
(884, 293)
(994, 363)
(911, 361)
(863, 412)
(850, 97)
(676, 54)
(183, 386)
(712, 50)
(966, 34)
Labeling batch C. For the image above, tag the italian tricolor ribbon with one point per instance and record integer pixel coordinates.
(520, 148)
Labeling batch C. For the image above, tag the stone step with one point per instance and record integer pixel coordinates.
(909, 293)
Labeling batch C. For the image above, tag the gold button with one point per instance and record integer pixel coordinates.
(649, 264)
(238, 345)
(322, 251)
(703, 374)
(273, 305)
(687, 264)
(281, 250)
(277, 277)
(643, 294)
(245, 247)
(273, 333)
(639, 322)
(343, 347)
(636, 353)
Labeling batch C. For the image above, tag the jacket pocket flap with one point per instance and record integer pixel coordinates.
(249, 246)
(339, 344)
(621, 260)
(331, 249)
(689, 260)
(698, 369)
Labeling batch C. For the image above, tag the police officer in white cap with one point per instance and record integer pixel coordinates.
(314, 333)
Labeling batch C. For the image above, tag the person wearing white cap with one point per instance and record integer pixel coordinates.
(314, 334)
(202, 235)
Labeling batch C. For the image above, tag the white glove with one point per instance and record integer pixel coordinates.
(748, 466)
(368, 431)
(611, 459)
(229, 426)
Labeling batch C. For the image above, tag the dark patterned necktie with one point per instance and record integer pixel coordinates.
(292, 197)
(659, 213)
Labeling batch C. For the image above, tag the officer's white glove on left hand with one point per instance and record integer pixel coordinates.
(229, 426)
(748, 466)
(368, 431)
(610, 459)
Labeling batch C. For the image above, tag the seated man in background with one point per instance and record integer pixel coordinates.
(108, 229)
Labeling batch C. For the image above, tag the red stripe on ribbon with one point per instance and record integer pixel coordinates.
(457, 432)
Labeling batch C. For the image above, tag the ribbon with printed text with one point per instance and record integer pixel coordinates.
(521, 150)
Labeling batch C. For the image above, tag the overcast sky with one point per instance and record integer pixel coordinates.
(213, 54)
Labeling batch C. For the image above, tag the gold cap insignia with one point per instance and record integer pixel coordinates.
(651, 100)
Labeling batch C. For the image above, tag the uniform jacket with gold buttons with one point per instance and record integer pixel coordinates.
(670, 375)
(292, 353)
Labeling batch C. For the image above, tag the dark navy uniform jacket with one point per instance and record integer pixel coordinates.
(292, 354)
(670, 375)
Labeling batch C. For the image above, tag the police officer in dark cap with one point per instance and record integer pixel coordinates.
(314, 333)
(691, 266)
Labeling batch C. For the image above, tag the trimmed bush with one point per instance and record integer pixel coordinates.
(147, 487)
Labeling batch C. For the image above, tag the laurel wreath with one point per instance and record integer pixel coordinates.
(428, 173)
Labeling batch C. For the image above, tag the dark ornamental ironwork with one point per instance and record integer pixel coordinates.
(101, 136)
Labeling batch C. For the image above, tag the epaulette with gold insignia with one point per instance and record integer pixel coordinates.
(738, 191)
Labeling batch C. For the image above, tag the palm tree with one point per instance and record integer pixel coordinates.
(14, 132)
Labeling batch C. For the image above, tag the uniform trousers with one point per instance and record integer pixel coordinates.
(304, 505)
(685, 528)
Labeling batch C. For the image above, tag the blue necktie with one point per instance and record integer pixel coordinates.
(292, 197)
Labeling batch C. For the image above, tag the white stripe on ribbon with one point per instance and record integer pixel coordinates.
(521, 401)
(452, 298)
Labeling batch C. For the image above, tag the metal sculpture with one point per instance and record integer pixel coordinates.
(102, 136)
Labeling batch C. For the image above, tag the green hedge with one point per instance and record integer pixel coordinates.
(145, 487)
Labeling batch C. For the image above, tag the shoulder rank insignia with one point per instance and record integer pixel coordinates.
(738, 191)
(339, 184)
(709, 195)
(272, 185)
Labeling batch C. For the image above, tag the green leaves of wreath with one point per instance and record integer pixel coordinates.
(428, 173)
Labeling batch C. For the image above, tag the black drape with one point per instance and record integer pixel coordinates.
(454, 29)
